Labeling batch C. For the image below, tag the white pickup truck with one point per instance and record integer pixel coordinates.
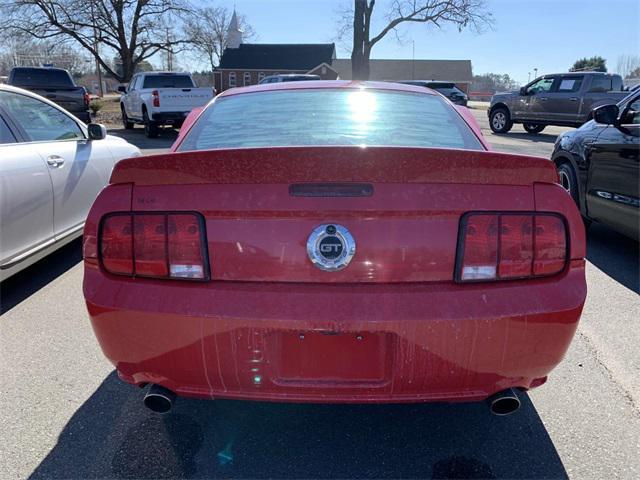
(160, 98)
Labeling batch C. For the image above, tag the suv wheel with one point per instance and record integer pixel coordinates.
(150, 128)
(128, 125)
(500, 120)
(533, 127)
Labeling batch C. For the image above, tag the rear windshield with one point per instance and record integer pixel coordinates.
(168, 81)
(330, 117)
(41, 77)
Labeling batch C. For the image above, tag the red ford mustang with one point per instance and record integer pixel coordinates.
(334, 242)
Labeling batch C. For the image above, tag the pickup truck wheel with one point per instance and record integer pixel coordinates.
(128, 125)
(533, 127)
(150, 128)
(500, 120)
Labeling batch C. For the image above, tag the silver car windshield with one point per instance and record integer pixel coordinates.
(340, 117)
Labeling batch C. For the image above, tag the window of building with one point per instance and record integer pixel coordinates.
(260, 77)
(247, 78)
(232, 79)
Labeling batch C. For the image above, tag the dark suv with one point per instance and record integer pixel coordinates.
(448, 89)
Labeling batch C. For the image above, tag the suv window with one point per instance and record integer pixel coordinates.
(601, 84)
(632, 113)
(570, 84)
(542, 85)
(40, 121)
(6, 136)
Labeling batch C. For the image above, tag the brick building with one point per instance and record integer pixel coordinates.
(245, 64)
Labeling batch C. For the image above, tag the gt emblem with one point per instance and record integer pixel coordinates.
(331, 247)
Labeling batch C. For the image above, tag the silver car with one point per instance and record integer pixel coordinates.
(52, 166)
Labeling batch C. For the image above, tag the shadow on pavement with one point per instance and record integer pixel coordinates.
(138, 138)
(113, 436)
(616, 255)
(534, 138)
(24, 284)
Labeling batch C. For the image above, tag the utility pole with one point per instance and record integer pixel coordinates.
(535, 73)
(95, 47)
(529, 77)
(169, 52)
(413, 60)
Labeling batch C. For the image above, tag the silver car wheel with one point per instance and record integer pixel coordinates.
(499, 120)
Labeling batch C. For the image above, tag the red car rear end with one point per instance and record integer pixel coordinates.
(318, 243)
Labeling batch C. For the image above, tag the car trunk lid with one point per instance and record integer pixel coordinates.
(402, 206)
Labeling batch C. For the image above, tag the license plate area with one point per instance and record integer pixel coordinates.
(332, 359)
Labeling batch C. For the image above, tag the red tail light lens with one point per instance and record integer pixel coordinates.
(503, 246)
(159, 245)
(87, 99)
(155, 97)
(116, 244)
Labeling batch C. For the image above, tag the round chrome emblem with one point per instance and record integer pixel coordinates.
(331, 247)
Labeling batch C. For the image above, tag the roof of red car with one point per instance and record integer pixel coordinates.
(309, 84)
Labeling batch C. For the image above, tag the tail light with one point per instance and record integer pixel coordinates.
(158, 245)
(155, 98)
(506, 246)
(87, 99)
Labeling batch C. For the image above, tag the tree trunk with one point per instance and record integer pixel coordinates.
(357, 54)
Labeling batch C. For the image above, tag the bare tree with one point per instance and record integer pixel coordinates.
(135, 29)
(628, 64)
(207, 29)
(358, 21)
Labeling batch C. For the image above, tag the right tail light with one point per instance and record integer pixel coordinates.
(508, 246)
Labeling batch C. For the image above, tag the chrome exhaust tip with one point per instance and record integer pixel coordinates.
(159, 399)
(504, 403)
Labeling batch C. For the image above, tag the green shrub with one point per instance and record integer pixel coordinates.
(95, 106)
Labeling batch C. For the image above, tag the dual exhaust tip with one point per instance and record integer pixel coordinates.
(160, 400)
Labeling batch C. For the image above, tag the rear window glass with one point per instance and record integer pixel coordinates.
(601, 84)
(35, 77)
(168, 81)
(330, 117)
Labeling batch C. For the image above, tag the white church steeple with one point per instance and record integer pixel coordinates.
(234, 34)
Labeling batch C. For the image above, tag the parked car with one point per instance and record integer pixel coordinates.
(564, 99)
(56, 85)
(599, 165)
(291, 77)
(52, 166)
(334, 242)
(160, 98)
(448, 89)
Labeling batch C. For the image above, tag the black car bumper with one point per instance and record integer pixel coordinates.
(169, 117)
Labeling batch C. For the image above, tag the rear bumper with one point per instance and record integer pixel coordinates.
(335, 343)
(169, 116)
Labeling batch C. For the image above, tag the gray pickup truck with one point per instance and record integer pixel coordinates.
(54, 84)
(564, 99)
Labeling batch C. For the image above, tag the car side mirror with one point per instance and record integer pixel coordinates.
(606, 114)
(523, 91)
(97, 131)
(122, 89)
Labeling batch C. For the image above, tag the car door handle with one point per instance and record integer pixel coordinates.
(544, 99)
(55, 161)
(574, 99)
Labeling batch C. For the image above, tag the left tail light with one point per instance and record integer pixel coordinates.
(508, 246)
(157, 245)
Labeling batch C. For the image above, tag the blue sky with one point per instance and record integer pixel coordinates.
(545, 34)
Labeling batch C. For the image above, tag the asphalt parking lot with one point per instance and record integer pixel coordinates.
(65, 414)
